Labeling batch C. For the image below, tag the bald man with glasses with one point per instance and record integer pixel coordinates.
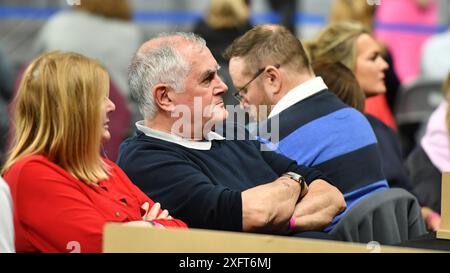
(274, 78)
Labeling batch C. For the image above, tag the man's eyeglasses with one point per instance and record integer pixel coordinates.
(243, 89)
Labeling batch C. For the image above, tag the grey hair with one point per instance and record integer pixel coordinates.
(162, 64)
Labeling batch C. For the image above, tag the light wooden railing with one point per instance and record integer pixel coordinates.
(444, 230)
(120, 238)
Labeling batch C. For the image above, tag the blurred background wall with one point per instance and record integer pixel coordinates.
(20, 20)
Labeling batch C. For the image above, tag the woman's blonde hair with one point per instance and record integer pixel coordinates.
(353, 10)
(336, 43)
(226, 13)
(116, 9)
(58, 114)
(342, 82)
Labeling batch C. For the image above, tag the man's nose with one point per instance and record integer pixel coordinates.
(222, 87)
(244, 104)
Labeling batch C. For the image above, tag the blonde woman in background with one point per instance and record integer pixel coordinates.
(352, 45)
(383, 105)
(63, 190)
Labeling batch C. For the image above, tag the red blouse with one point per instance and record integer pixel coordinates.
(378, 107)
(55, 212)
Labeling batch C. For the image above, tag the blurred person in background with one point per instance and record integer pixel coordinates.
(351, 44)
(63, 190)
(99, 29)
(360, 11)
(6, 90)
(225, 21)
(435, 62)
(287, 10)
(431, 157)
(102, 30)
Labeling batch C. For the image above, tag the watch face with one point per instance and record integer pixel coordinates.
(295, 176)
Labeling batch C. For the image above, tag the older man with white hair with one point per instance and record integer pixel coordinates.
(208, 179)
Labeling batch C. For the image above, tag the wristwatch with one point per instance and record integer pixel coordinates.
(299, 178)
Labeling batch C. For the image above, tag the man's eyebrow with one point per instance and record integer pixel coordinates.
(209, 74)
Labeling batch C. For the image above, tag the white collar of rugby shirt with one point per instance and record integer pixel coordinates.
(299, 93)
(197, 145)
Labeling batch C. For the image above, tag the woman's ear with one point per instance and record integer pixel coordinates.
(162, 94)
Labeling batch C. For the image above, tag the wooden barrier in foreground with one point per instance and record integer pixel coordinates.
(128, 239)
(444, 230)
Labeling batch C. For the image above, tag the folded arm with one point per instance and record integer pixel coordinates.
(268, 207)
(318, 207)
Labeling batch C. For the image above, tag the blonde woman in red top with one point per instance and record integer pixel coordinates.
(63, 190)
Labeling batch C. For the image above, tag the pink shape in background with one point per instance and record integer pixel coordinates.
(405, 46)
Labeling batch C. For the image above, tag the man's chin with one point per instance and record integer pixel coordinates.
(220, 116)
(258, 116)
(253, 116)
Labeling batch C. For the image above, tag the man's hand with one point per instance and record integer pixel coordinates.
(268, 207)
(318, 207)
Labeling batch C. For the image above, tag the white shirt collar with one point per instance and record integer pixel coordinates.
(299, 93)
(197, 145)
